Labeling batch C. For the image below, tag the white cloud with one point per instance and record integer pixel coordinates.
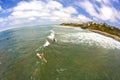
(33, 5)
(1, 19)
(99, 0)
(70, 10)
(32, 18)
(61, 14)
(40, 12)
(108, 2)
(37, 12)
(52, 5)
(106, 12)
(83, 18)
(0, 8)
(109, 13)
(25, 14)
(89, 7)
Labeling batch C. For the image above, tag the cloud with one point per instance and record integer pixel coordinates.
(89, 7)
(1, 19)
(38, 12)
(106, 11)
(83, 18)
(104, 1)
(109, 14)
(28, 6)
(0, 8)
(42, 9)
(108, 2)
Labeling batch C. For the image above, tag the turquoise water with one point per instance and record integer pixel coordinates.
(75, 55)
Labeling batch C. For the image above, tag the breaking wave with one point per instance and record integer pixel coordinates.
(47, 43)
(90, 38)
(52, 35)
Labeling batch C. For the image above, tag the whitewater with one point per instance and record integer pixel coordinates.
(89, 38)
(51, 36)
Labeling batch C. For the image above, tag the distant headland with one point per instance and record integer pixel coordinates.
(101, 28)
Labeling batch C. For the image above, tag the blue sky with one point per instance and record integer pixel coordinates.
(17, 13)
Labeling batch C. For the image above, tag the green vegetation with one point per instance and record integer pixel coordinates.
(103, 27)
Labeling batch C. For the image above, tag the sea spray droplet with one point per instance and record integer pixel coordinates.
(46, 44)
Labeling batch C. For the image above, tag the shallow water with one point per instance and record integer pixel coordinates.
(76, 54)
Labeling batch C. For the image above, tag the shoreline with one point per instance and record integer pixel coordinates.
(101, 32)
(105, 34)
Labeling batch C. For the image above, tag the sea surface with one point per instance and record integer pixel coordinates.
(71, 54)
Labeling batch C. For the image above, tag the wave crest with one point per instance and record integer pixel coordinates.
(52, 35)
(47, 43)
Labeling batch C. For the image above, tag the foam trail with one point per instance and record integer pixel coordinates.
(52, 35)
(38, 48)
(47, 43)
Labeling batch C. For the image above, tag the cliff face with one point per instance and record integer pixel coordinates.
(101, 28)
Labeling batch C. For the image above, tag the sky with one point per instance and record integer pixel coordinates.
(19, 13)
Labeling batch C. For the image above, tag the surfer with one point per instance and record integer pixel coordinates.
(54, 40)
(41, 56)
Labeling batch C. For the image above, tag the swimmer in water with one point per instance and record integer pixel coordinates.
(54, 40)
(41, 56)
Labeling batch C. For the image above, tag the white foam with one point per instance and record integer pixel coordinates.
(47, 43)
(52, 35)
(61, 70)
(90, 38)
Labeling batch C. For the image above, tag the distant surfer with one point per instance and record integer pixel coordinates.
(54, 40)
(41, 56)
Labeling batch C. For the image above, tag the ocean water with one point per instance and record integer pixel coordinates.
(71, 54)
